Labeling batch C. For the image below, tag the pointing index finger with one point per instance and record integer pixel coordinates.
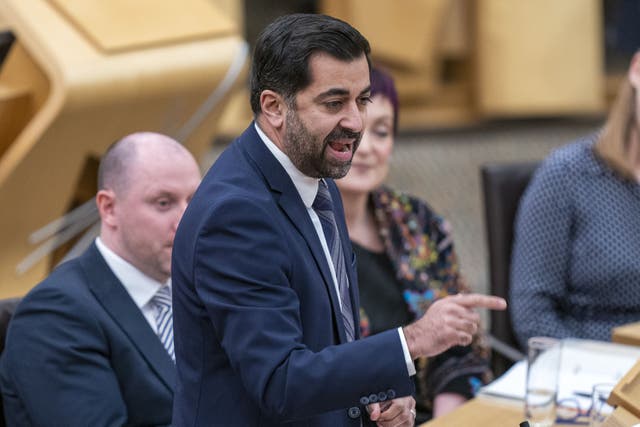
(482, 301)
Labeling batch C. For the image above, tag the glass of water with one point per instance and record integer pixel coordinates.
(600, 409)
(543, 363)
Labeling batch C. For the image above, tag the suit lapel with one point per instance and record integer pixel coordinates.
(291, 204)
(299, 217)
(116, 301)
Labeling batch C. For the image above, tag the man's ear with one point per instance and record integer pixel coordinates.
(106, 203)
(273, 108)
(634, 71)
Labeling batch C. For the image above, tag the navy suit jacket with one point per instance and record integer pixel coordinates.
(79, 352)
(258, 334)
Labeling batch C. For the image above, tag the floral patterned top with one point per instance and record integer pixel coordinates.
(419, 247)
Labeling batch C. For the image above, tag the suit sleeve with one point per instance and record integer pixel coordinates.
(57, 366)
(244, 266)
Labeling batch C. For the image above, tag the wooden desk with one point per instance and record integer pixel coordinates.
(499, 412)
(627, 334)
(484, 411)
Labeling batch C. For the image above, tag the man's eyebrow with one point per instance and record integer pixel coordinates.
(161, 193)
(366, 90)
(331, 92)
(338, 92)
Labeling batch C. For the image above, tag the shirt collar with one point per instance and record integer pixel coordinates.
(307, 186)
(140, 287)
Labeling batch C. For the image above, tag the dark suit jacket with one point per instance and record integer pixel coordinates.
(80, 353)
(259, 339)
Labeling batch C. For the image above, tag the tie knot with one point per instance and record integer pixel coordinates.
(162, 298)
(323, 200)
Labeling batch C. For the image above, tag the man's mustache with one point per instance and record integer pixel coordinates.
(341, 133)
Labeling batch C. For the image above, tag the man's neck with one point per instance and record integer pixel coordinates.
(271, 133)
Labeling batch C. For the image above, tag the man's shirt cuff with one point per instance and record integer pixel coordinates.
(411, 368)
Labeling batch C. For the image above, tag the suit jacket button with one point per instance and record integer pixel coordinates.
(391, 394)
(354, 412)
(373, 398)
(382, 396)
(364, 400)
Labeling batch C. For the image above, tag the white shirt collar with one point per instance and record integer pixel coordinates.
(307, 186)
(140, 286)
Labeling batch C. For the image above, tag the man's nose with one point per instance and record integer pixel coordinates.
(353, 118)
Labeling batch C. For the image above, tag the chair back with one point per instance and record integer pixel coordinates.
(502, 186)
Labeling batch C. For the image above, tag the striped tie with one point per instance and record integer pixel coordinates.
(164, 318)
(323, 205)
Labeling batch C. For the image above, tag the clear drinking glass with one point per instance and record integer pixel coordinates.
(543, 363)
(600, 409)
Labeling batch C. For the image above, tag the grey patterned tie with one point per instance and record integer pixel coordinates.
(164, 318)
(323, 205)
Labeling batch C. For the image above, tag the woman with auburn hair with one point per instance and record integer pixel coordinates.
(576, 254)
(406, 259)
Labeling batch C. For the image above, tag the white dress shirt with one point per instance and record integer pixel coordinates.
(140, 287)
(308, 188)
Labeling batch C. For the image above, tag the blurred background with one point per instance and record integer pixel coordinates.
(480, 81)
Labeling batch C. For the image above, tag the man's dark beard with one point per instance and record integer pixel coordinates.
(308, 154)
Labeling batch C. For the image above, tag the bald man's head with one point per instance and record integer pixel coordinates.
(120, 158)
(145, 182)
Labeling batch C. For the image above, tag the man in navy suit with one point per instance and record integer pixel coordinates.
(264, 290)
(84, 347)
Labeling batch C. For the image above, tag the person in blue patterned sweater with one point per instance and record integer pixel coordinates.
(576, 268)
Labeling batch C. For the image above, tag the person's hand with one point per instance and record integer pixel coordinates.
(448, 322)
(394, 413)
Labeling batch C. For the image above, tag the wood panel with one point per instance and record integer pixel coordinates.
(92, 98)
(118, 25)
(539, 57)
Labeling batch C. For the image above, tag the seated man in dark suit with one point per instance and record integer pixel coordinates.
(93, 343)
